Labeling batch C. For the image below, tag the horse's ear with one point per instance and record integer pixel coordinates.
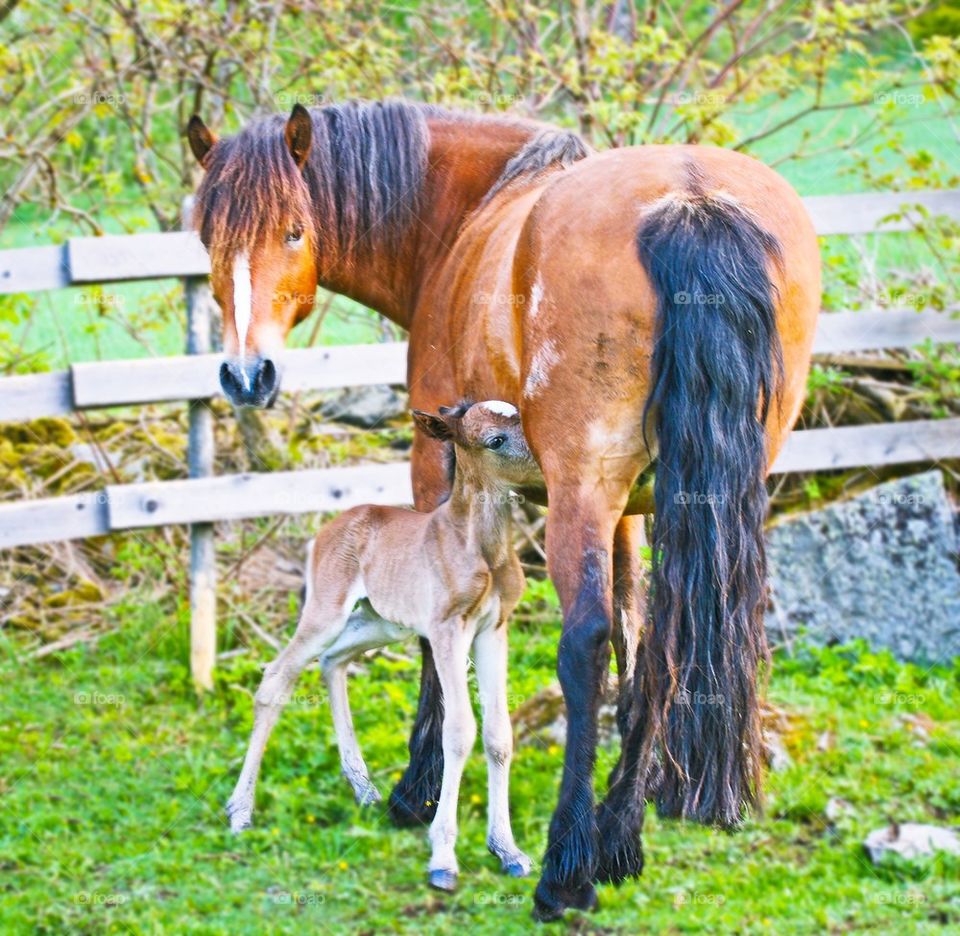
(434, 426)
(299, 133)
(201, 139)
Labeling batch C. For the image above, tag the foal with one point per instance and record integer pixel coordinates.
(450, 576)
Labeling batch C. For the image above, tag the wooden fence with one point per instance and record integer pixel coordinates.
(202, 499)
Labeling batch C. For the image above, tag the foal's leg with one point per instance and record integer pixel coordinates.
(620, 815)
(319, 622)
(364, 630)
(490, 656)
(451, 643)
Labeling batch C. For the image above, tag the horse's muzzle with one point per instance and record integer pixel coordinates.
(250, 381)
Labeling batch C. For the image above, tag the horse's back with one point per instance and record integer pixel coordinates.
(588, 324)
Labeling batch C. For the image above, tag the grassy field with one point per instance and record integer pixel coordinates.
(114, 777)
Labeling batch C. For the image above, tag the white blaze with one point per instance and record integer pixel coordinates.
(500, 408)
(242, 303)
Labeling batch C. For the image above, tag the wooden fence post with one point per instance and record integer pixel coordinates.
(200, 449)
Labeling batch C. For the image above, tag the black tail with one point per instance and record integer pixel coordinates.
(717, 366)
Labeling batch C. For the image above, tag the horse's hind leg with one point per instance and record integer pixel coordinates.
(620, 815)
(364, 630)
(490, 655)
(318, 623)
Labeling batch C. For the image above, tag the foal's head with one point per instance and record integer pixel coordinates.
(489, 443)
(253, 213)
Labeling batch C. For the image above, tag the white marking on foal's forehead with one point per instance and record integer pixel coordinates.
(242, 300)
(499, 407)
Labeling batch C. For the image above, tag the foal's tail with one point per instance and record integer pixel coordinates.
(717, 367)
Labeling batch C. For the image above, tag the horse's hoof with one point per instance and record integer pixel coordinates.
(241, 817)
(517, 869)
(549, 903)
(441, 879)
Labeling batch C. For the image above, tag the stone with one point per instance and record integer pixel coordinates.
(910, 840)
(881, 566)
(365, 407)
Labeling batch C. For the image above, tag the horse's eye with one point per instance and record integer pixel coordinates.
(294, 235)
(496, 442)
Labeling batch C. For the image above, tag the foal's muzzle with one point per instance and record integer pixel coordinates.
(250, 381)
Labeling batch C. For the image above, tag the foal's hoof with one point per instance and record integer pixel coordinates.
(241, 817)
(366, 794)
(441, 879)
(518, 869)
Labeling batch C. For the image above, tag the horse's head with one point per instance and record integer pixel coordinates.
(253, 213)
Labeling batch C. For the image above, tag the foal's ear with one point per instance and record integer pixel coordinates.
(201, 139)
(434, 426)
(298, 134)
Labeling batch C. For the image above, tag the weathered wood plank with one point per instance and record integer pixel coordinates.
(840, 332)
(237, 497)
(154, 380)
(33, 396)
(31, 269)
(864, 446)
(48, 519)
(122, 257)
(863, 213)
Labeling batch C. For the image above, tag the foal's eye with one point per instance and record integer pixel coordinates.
(496, 442)
(294, 235)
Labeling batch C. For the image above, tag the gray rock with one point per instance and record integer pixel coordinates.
(366, 407)
(881, 566)
(910, 840)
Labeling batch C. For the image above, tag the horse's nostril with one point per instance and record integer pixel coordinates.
(267, 376)
(229, 382)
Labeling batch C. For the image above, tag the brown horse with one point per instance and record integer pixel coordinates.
(651, 313)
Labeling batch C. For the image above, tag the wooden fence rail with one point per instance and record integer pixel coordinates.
(202, 499)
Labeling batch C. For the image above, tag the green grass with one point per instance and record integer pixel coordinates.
(113, 779)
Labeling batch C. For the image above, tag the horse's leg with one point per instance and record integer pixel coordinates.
(580, 531)
(620, 815)
(451, 645)
(364, 630)
(490, 656)
(413, 801)
(319, 622)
